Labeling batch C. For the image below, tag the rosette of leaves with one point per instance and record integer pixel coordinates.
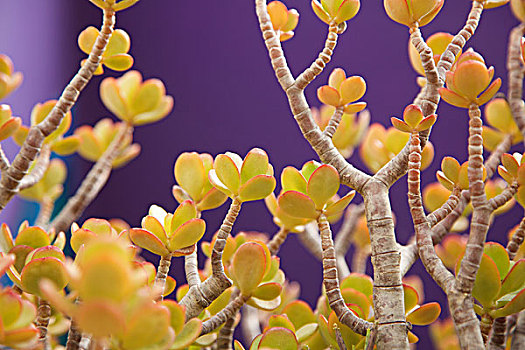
(50, 187)
(511, 170)
(500, 284)
(468, 81)
(113, 301)
(38, 255)
(438, 42)
(115, 55)
(283, 20)
(349, 133)
(308, 193)
(499, 116)
(356, 290)
(134, 101)
(57, 142)
(335, 11)
(8, 124)
(380, 145)
(343, 92)
(16, 320)
(257, 275)
(191, 173)
(413, 120)
(413, 13)
(96, 140)
(452, 174)
(164, 234)
(114, 5)
(9, 79)
(247, 180)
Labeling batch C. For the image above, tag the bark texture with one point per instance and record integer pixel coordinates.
(15, 173)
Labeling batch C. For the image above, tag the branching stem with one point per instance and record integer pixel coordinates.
(9, 183)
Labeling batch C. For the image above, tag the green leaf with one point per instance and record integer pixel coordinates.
(211, 200)
(190, 332)
(187, 234)
(279, 338)
(424, 315)
(323, 185)
(184, 212)
(227, 172)
(306, 331)
(280, 321)
(190, 174)
(514, 306)
(499, 255)
(100, 318)
(249, 266)
(44, 268)
(265, 305)
(487, 284)
(153, 225)
(258, 187)
(299, 313)
(297, 204)
(359, 282)
(340, 205)
(308, 168)
(148, 241)
(267, 291)
(352, 296)
(255, 163)
(120, 62)
(255, 343)
(237, 345)
(147, 326)
(293, 180)
(33, 237)
(177, 316)
(514, 279)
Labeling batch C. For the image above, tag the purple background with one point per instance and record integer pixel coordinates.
(211, 57)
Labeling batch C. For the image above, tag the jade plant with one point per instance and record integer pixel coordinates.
(94, 285)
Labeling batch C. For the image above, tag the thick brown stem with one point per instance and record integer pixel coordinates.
(397, 167)
(518, 337)
(331, 282)
(277, 240)
(225, 337)
(515, 76)
(322, 60)
(222, 316)
(498, 337)
(162, 274)
(461, 304)
(504, 197)
(485, 327)
(41, 164)
(42, 321)
(431, 261)
(441, 213)
(339, 338)
(342, 240)
(37, 133)
(331, 128)
(92, 184)
(73, 337)
(191, 269)
(201, 295)
(517, 239)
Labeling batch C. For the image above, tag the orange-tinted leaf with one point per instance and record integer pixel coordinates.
(322, 185)
(258, 187)
(148, 241)
(297, 204)
(187, 234)
(424, 315)
(249, 266)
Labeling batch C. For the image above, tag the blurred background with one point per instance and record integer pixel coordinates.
(211, 57)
